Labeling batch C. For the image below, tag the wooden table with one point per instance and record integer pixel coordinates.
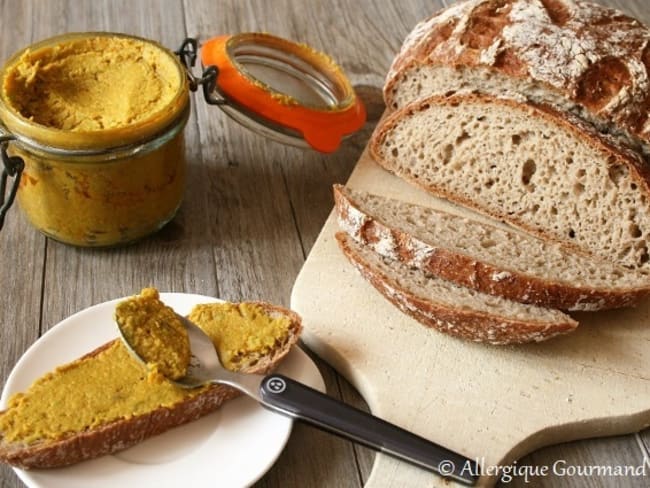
(252, 210)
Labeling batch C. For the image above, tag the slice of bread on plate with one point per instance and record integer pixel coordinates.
(486, 258)
(453, 309)
(107, 400)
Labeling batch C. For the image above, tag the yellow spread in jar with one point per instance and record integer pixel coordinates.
(92, 83)
(104, 204)
(111, 385)
(101, 118)
(155, 332)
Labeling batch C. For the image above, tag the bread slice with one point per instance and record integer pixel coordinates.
(453, 309)
(486, 258)
(583, 57)
(127, 431)
(529, 165)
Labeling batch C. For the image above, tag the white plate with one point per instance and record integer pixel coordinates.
(232, 447)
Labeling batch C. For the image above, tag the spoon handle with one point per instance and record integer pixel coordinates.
(302, 402)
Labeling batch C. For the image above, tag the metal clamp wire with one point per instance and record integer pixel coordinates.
(12, 166)
(188, 53)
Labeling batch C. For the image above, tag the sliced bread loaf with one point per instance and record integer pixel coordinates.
(483, 257)
(583, 57)
(109, 413)
(529, 165)
(453, 309)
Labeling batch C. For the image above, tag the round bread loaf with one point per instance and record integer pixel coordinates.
(534, 112)
(580, 56)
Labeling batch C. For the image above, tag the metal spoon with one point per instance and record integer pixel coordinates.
(288, 397)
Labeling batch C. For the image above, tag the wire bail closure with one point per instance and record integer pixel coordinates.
(188, 53)
(12, 168)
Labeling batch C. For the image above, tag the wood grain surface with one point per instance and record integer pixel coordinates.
(252, 210)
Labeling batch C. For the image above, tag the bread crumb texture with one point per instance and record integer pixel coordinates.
(525, 165)
(383, 223)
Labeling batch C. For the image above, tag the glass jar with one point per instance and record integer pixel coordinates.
(98, 119)
(91, 124)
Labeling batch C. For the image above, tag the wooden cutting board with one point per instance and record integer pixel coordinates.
(494, 404)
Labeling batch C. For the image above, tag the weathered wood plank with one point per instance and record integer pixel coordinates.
(22, 250)
(584, 464)
(643, 439)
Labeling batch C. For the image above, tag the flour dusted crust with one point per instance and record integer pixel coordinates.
(124, 433)
(493, 278)
(586, 58)
(459, 322)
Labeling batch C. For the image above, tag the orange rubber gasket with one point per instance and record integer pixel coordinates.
(322, 129)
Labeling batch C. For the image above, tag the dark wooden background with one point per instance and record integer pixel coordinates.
(252, 211)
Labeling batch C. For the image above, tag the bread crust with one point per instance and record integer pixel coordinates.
(464, 270)
(613, 152)
(465, 324)
(123, 433)
(593, 56)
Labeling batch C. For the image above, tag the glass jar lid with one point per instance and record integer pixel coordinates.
(284, 90)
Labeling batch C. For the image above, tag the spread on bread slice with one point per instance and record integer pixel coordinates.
(107, 400)
(453, 309)
(484, 257)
